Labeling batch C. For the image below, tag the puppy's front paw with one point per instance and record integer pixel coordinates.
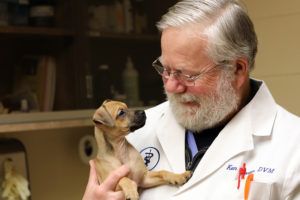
(131, 195)
(180, 179)
(187, 175)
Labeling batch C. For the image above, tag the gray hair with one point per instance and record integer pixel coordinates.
(230, 31)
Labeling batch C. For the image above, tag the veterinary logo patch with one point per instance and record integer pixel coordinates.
(151, 157)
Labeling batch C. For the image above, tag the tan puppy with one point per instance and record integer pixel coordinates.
(113, 121)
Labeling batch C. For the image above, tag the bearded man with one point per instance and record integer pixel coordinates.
(217, 122)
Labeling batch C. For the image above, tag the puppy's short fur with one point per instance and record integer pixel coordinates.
(113, 121)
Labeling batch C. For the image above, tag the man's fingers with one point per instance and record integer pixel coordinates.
(107, 189)
(93, 178)
(113, 179)
(117, 195)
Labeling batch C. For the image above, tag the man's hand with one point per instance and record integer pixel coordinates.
(105, 191)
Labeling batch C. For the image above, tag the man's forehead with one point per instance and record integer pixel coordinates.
(182, 48)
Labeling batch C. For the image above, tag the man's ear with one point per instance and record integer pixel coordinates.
(103, 117)
(242, 71)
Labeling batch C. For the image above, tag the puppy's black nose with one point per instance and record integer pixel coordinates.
(140, 113)
(139, 120)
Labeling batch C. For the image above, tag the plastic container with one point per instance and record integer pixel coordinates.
(41, 13)
(128, 20)
(131, 84)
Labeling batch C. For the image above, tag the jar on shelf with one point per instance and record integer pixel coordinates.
(42, 13)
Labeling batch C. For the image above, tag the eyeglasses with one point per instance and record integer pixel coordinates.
(185, 79)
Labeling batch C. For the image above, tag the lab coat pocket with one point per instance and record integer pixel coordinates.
(260, 191)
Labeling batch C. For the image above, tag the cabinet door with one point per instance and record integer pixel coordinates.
(111, 45)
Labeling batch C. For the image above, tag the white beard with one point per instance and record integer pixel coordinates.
(214, 107)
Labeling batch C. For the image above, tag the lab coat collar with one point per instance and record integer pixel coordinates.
(171, 137)
(256, 118)
(262, 111)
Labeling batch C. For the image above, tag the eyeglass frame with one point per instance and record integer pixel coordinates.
(192, 78)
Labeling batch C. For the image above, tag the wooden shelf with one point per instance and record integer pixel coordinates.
(20, 122)
(35, 31)
(45, 120)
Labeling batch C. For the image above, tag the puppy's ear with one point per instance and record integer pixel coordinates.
(102, 116)
(105, 101)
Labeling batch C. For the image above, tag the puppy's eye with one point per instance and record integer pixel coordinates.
(121, 113)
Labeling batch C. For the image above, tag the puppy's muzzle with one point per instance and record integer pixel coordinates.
(139, 120)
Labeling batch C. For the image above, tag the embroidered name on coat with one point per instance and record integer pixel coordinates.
(260, 169)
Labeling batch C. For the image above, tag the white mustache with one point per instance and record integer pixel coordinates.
(184, 98)
(214, 106)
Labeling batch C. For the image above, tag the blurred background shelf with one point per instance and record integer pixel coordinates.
(34, 31)
(51, 138)
(79, 49)
(20, 122)
(119, 36)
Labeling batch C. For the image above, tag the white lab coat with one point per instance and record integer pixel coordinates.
(262, 135)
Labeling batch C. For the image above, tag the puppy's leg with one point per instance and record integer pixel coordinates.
(156, 178)
(105, 166)
(129, 188)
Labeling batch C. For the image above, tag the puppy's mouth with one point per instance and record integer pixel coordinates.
(139, 120)
(96, 122)
(135, 127)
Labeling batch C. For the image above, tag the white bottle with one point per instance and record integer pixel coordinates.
(131, 84)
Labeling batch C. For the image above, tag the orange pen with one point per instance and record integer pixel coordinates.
(247, 185)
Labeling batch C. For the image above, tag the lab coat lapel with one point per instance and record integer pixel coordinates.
(232, 140)
(171, 137)
(256, 118)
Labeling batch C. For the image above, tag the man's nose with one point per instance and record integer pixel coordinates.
(172, 85)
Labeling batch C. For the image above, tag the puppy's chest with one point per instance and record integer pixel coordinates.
(123, 158)
(126, 157)
(132, 159)
(125, 153)
(122, 154)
